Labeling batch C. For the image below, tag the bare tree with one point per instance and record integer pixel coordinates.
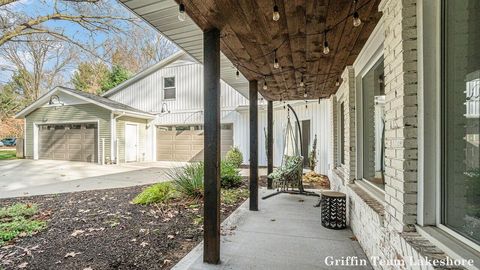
(91, 16)
(38, 63)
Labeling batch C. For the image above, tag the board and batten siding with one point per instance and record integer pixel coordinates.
(142, 137)
(79, 113)
(317, 113)
(146, 94)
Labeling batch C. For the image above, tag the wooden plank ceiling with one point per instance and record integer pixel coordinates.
(249, 37)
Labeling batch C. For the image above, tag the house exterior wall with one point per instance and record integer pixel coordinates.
(385, 222)
(146, 94)
(317, 113)
(69, 114)
(142, 137)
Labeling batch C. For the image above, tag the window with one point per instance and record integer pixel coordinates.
(342, 133)
(373, 107)
(460, 118)
(169, 88)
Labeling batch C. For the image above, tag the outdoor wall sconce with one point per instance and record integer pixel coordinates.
(55, 101)
(164, 109)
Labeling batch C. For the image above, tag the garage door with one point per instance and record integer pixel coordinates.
(185, 143)
(75, 142)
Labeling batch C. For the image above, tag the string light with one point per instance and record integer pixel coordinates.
(276, 16)
(356, 17)
(237, 74)
(275, 60)
(181, 12)
(305, 94)
(306, 104)
(302, 84)
(326, 49)
(265, 87)
(276, 13)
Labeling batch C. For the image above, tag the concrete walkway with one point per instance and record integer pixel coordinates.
(285, 234)
(23, 177)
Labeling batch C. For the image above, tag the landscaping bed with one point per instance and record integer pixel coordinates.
(105, 230)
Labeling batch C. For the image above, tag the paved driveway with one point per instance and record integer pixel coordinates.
(23, 177)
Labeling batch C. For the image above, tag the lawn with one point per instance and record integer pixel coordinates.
(7, 154)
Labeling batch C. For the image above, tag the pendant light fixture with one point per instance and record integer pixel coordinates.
(181, 12)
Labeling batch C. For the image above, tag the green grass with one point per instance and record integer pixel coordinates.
(17, 220)
(8, 154)
(157, 193)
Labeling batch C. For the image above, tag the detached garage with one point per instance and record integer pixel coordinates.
(185, 142)
(66, 124)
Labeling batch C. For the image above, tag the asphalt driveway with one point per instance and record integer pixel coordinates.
(23, 177)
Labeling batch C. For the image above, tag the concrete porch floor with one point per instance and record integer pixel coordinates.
(286, 233)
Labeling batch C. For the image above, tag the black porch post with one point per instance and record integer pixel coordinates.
(253, 145)
(211, 208)
(269, 142)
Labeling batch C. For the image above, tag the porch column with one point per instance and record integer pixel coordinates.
(211, 208)
(269, 141)
(253, 145)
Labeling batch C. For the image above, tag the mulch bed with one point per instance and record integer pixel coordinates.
(103, 230)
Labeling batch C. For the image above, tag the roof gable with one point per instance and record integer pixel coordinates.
(165, 62)
(77, 97)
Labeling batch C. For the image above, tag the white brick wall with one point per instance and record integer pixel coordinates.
(400, 62)
(386, 229)
(346, 95)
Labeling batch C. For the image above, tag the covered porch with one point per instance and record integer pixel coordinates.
(279, 51)
(284, 234)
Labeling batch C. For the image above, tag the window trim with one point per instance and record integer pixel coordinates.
(168, 88)
(430, 133)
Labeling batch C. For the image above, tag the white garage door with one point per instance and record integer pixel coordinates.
(185, 143)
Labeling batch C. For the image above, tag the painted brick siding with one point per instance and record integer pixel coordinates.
(73, 113)
(401, 106)
(346, 95)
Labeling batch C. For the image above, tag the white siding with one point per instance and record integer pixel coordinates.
(317, 113)
(147, 93)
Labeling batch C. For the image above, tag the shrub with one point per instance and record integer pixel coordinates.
(229, 175)
(188, 180)
(157, 193)
(234, 156)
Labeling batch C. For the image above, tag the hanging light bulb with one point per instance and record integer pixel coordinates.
(275, 60)
(326, 49)
(276, 13)
(284, 105)
(337, 83)
(305, 94)
(237, 74)
(265, 87)
(306, 105)
(302, 83)
(356, 19)
(181, 12)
